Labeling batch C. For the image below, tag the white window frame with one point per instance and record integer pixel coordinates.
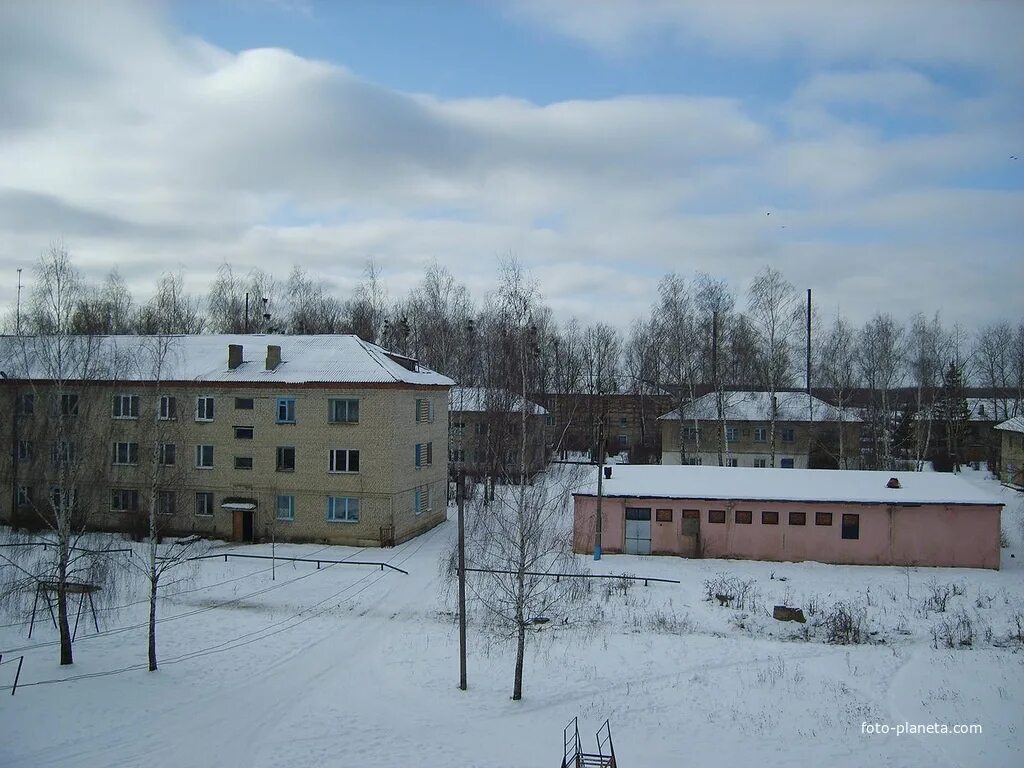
(126, 454)
(62, 452)
(161, 502)
(788, 431)
(351, 404)
(120, 494)
(732, 434)
(349, 512)
(424, 455)
(332, 461)
(760, 434)
(277, 458)
(424, 410)
(63, 498)
(199, 456)
(205, 410)
(173, 451)
(26, 404)
(423, 499)
(207, 497)
(24, 496)
(118, 406)
(457, 455)
(289, 507)
(283, 401)
(168, 408)
(761, 463)
(25, 451)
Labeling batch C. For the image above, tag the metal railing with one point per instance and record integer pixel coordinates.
(317, 560)
(559, 576)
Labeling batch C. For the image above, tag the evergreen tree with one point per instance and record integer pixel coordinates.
(952, 419)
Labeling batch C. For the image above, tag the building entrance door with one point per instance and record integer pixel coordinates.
(638, 531)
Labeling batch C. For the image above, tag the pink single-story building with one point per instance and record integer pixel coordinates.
(830, 516)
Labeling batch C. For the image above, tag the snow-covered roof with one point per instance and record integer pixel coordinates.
(480, 399)
(1016, 424)
(983, 409)
(343, 358)
(750, 484)
(756, 406)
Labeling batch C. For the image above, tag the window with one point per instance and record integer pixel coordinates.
(731, 434)
(243, 462)
(691, 514)
(716, 515)
(480, 428)
(62, 452)
(342, 509)
(549, 421)
(166, 503)
(168, 454)
(69, 405)
(343, 411)
(286, 410)
(63, 499)
(743, 516)
(424, 454)
(798, 518)
(124, 500)
(823, 518)
(786, 463)
(24, 451)
(126, 406)
(168, 407)
(243, 404)
(424, 410)
(760, 434)
(343, 460)
(732, 462)
(663, 516)
(25, 405)
(788, 435)
(623, 441)
(204, 457)
(126, 453)
(244, 433)
(285, 459)
(691, 433)
(851, 526)
(456, 455)
(693, 461)
(204, 408)
(24, 496)
(458, 428)
(422, 500)
(285, 507)
(769, 518)
(760, 463)
(204, 504)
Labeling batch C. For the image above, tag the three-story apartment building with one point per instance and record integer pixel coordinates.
(300, 438)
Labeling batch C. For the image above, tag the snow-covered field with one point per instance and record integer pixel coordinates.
(352, 666)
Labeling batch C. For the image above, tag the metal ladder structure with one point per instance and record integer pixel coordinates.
(573, 755)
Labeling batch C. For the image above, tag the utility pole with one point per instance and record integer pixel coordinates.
(810, 399)
(460, 498)
(598, 522)
(17, 310)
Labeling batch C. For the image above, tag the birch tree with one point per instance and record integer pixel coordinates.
(838, 372)
(881, 354)
(774, 310)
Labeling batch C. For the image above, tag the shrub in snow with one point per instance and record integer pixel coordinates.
(845, 624)
(733, 592)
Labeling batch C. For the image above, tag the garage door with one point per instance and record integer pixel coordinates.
(638, 531)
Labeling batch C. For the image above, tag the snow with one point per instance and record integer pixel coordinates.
(1016, 424)
(756, 406)
(341, 358)
(349, 665)
(477, 400)
(748, 483)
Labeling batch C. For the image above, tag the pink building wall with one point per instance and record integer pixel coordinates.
(929, 535)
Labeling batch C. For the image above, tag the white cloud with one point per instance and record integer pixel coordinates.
(147, 150)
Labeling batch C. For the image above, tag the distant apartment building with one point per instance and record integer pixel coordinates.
(485, 428)
(808, 432)
(1011, 434)
(300, 438)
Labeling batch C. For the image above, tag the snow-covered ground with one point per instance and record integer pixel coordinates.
(349, 665)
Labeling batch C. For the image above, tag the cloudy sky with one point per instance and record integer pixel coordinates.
(865, 149)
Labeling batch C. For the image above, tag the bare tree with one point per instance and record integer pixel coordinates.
(60, 403)
(927, 348)
(838, 372)
(366, 312)
(171, 309)
(881, 355)
(308, 308)
(680, 372)
(774, 309)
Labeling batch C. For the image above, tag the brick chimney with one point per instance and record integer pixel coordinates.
(234, 356)
(273, 356)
